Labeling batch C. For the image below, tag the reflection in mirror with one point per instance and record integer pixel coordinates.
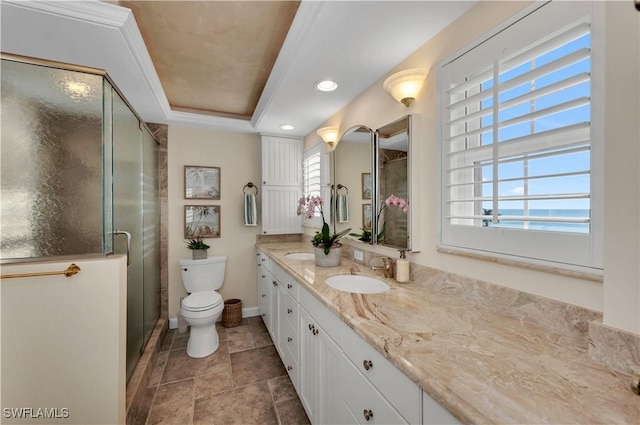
(393, 184)
(352, 182)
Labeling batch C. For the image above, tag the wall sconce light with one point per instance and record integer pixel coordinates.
(403, 86)
(329, 135)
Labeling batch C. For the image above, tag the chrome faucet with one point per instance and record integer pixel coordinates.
(386, 268)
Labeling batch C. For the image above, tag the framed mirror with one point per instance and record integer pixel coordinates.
(352, 182)
(392, 156)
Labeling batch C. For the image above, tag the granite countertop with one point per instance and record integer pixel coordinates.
(486, 354)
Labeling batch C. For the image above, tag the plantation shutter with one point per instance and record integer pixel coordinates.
(517, 136)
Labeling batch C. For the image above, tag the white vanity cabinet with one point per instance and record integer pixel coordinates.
(288, 342)
(268, 295)
(281, 184)
(376, 392)
(320, 371)
(339, 377)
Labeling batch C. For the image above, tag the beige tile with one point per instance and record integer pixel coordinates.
(222, 332)
(261, 335)
(282, 389)
(291, 412)
(240, 338)
(145, 406)
(168, 340)
(180, 341)
(208, 385)
(181, 366)
(158, 369)
(173, 404)
(256, 365)
(248, 405)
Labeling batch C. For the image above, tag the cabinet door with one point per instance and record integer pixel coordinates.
(279, 205)
(330, 406)
(264, 296)
(320, 378)
(273, 309)
(309, 365)
(281, 161)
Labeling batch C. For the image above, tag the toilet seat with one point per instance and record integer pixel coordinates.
(201, 301)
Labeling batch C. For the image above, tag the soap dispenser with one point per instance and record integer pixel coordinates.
(402, 267)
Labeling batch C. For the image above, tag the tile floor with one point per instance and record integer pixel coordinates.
(243, 382)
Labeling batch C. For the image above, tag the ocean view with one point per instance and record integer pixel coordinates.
(546, 226)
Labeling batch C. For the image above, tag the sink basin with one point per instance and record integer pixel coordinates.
(300, 256)
(357, 284)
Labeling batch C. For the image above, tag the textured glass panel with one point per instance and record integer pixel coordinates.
(51, 162)
(107, 154)
(127, 214)
(151, 232)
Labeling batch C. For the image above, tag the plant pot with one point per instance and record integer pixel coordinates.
(328, 260)
(198, 254)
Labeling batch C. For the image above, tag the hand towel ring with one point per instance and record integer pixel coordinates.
(250, 185)
(341, 186)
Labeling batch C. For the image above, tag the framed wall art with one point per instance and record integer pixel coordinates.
(201, 221)
(201, 182)
(366, 216)
(366, 186)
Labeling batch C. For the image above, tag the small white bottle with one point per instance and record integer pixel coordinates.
(402, 268)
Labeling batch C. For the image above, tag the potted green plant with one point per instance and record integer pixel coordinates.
(328, 251)
(198, 248)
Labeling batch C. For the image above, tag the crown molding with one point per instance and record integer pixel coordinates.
(90, 11)
(210, 121)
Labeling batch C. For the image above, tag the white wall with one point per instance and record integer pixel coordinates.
(238, 156)
(64, 341)
(619, 296)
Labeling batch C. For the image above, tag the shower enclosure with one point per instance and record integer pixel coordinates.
(78, 172)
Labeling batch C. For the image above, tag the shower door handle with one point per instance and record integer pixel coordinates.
(122, 232)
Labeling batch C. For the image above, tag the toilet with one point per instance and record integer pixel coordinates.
(203, 307)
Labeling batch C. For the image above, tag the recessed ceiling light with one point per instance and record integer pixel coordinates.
(326, 85)
(287, 127)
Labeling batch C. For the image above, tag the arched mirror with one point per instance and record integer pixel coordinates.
(393, 184)
(352, 182)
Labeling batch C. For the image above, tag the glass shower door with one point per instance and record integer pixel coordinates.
(127, 216)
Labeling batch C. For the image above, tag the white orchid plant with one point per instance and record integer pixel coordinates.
(322, 239)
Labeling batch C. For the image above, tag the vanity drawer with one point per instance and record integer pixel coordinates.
(364, 401)
(263, 260)
(291, 366)
(331, 324)
(403, 393)
(285, 280)
(289, 308)
(289, 338)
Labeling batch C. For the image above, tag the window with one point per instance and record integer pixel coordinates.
(517, 148)
(312, 178)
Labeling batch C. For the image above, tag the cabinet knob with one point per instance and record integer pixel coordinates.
(289, 311)
(368, 414)
(289, 285)
(368, 364)
(289, 339)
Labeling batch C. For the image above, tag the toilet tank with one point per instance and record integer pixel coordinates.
(203, 275)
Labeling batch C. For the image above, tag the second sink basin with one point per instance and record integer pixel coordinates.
(300, 256)
(357, 284)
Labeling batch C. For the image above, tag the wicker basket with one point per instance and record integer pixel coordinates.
(232, 313)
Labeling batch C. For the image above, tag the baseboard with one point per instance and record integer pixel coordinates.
(250, 312)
